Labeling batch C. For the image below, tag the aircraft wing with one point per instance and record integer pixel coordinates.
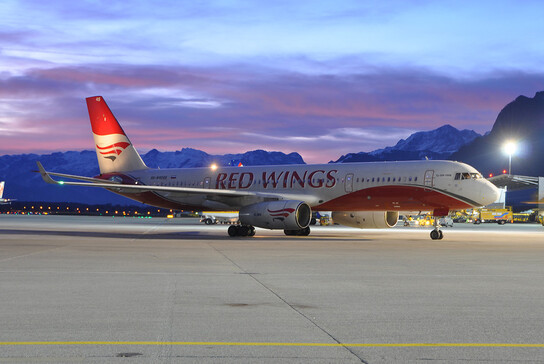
(118, 187)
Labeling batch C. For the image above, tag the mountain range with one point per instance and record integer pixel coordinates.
(522, 120)
(435, 144)
(23, 184)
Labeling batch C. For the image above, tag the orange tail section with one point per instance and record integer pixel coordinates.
(114, 150)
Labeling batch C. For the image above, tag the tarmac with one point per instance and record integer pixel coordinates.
(103, 289)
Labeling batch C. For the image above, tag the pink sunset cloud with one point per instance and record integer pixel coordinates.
(235, 109)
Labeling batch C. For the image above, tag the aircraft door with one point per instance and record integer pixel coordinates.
(348, 183)
(429, 178)
(207, 182)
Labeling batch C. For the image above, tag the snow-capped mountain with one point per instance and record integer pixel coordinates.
(445, 139)
(439, 143)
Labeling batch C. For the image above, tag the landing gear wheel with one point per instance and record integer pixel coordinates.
(304, 232)
(241, 230)
(300, 232)
(437, 235)
(233, 230)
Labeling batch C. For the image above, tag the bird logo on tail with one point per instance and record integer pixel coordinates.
(113, 150)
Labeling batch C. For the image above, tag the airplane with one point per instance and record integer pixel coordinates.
(4, 201)
(362, 195)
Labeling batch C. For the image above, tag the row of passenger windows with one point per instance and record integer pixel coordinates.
(388, 179)
(458, 176)
(314, 181)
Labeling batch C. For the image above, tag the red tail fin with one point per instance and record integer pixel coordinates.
(114, 150)
(102, 120)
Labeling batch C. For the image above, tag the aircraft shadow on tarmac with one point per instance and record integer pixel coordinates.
(195, 235)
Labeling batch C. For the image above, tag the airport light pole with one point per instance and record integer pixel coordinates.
(510, 148)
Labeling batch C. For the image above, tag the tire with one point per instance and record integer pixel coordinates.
(243, 230)
(233, 230)
(435, 234)
(208, 221)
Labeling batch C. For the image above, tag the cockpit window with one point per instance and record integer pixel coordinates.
(466, 175)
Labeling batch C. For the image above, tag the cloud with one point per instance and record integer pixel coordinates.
(240, 107)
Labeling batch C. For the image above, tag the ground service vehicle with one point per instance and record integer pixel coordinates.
(500, 216)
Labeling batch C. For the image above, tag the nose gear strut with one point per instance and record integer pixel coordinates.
(436, 234)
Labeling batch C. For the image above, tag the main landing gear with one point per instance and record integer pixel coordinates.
(248, 230)
(241, 230)
(301, 232)
(436, 234)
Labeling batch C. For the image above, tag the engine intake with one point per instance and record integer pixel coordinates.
(287, 215)
(366, 219)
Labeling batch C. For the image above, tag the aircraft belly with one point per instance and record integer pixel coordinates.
(394, 198)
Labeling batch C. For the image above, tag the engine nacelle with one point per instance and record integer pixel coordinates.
(366, 219)
(287, 215)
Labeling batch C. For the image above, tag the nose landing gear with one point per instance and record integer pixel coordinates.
(436, 234)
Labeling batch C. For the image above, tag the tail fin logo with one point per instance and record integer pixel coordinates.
(113, 150)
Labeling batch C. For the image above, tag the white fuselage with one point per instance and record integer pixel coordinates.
(376, 186)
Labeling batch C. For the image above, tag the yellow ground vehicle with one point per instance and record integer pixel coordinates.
(500, 216)
(324, 220)
(522, 217)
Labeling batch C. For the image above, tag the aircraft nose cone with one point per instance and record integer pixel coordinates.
(490, 193)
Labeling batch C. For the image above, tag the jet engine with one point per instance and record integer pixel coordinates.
(366, 219)
(287, 215)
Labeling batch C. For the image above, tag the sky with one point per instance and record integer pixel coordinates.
(321, 78)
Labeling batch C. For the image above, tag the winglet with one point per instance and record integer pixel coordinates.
(46, 177)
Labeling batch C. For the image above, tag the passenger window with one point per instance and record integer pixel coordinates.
(410, 179)
(415, 179)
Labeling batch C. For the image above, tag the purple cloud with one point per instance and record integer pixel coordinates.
(238, 108)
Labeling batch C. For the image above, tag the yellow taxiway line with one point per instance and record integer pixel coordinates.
(202, 343)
